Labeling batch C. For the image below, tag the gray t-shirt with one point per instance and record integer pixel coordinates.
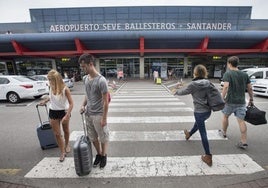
(94, 90)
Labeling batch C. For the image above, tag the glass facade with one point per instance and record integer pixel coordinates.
(141, 18)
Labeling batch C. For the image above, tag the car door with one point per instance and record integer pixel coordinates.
(3, 87)
(256, 76)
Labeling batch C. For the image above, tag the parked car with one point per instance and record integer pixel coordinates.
(68, 82)
(254, 74)
(14, 88)
(261, 87)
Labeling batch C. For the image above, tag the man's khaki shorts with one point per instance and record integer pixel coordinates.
(94, 129)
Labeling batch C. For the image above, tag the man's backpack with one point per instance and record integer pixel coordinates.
(215, 100)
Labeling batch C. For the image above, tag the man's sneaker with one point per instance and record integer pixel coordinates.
(103, 161)
(97, 160)
(221, 133)
(241, 145)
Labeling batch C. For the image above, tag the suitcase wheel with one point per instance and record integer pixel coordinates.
(42, 148)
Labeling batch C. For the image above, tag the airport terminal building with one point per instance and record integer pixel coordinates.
(136, 40)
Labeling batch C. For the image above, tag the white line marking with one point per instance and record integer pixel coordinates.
(150, 99)
(130, 167)
(162, 109)
(142, 96)
(152, 135)
(143, 89)
(159, 103)
(144, 92)
(151, 119)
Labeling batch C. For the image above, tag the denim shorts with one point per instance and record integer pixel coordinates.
(239, 110)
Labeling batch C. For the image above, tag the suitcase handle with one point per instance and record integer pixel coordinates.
(84, 126)
(39, 112)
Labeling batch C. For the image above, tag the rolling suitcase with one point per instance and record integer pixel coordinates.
(158, 81)
(44, 132)
(82, 153)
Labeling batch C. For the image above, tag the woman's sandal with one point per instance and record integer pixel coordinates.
(68, 149)
(62, 157)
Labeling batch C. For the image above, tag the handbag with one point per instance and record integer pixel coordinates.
(255, 116)
(215, 100)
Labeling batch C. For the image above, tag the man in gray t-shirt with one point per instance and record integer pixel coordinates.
(95, 106)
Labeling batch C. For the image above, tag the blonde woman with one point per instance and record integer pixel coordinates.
(60, 107)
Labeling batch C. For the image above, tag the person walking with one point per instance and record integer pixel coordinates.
(198, 89)
(60, 107)
(235, 84)
(95, 106)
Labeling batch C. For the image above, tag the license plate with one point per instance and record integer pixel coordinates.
(41, 90)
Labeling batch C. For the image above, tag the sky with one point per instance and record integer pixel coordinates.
(12, 11)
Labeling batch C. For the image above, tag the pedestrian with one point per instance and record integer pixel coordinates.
(236, 82)
(95, 106)
(60, 107)
(198, 89)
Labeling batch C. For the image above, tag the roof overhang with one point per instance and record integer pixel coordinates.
(134, 43)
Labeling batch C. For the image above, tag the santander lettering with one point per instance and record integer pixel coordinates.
(139, 27)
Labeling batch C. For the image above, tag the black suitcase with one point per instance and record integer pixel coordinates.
(82, 153)
(44, 132)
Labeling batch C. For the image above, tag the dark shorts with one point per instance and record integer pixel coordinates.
(56, 114)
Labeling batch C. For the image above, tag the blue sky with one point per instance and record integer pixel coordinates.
(18, 10)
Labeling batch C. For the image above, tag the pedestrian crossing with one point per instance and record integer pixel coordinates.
(144, 103)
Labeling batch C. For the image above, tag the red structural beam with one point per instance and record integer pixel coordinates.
(262, 45)
(204, 44)
(141, 46)
(80, 47)
(18, 47)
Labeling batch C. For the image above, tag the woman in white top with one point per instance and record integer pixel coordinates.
(61, 105)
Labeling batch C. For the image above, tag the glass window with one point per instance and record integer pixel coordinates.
(97, 11)
(159, 10)
(72, 11)
(85, 11)
(49, 12)
(147, 16)
(172, 10)
(196, 10)
(257, 75)
(121, 16)
(209, 10)
(61, 12)
(122, 10)
(172, 16)
(147, 10)
(33, 67)
(134, 10)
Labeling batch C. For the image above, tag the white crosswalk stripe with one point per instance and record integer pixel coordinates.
(130, 167)
(151, 135)
(146, 98)
(113, 104)
(162, 109)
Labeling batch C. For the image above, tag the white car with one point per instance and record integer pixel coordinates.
(261, 87)
(14, 88)
(68, 82)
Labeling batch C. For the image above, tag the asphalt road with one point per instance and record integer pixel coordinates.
(21, 152)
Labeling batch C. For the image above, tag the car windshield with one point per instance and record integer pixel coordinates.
(249, 72)
(23, 79)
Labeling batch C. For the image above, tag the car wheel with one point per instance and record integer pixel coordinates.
(13, 97)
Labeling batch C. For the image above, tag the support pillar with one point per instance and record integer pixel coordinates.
(141, 67)
(185, 67)
(97, 60)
